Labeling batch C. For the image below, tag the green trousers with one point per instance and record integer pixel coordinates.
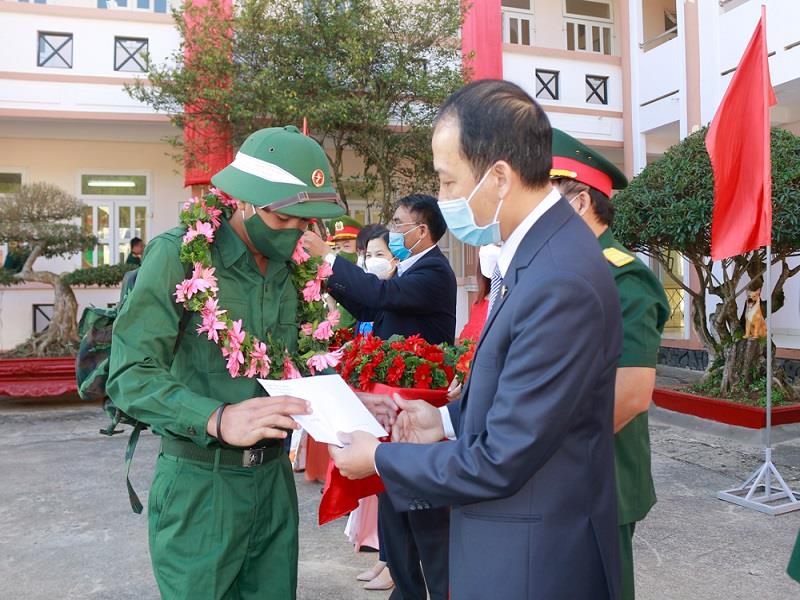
(626, 560)
(223, 533)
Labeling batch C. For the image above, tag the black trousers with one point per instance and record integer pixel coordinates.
(416, 546)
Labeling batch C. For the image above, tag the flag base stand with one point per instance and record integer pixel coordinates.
(764, 491)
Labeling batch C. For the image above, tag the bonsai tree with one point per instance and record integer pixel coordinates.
(44, 216)
(668, 207)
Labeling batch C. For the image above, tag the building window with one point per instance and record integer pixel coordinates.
(55, 50)
(10, 183)
(42, 315)
(591, 9)
(597, 89)
(546, 84)
(517, 22)
(130, 54)
(676, 296)
(587, 25)
(116, 210)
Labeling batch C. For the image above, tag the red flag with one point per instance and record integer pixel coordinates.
(738, 145)
(206, 135)
(482, 33)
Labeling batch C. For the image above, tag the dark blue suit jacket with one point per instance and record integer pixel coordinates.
(420, 302)
(531, 476)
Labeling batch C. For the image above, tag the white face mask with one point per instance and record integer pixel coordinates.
(488, 256)
(382, 267)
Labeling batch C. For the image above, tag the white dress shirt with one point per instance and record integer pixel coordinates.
(406, 264)
(507, 252)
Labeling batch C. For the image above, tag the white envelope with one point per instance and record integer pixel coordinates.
(335, 407)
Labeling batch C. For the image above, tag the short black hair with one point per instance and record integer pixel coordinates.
(601, 204)
(365, 235)
(378, 232)
(135, 241)
(499, 121)
(425, 208)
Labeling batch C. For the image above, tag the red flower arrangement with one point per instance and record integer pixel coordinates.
(404, 362)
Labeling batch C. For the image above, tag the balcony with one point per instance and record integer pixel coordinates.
(571, 33)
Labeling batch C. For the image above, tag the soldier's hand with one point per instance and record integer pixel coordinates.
(419, 423)
(248, 422)
(382, 407)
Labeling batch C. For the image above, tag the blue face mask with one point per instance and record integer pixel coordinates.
(397, 244)
(461, 221)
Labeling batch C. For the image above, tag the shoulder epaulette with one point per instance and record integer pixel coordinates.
(618, 258)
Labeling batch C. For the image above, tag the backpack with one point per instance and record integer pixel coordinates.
(92, 365)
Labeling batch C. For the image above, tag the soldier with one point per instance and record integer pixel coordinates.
(343, 234)
(222, 507)
(586, 179)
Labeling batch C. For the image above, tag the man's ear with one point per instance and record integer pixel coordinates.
(504, 177)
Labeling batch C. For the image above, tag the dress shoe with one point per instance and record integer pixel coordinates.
(382, 582)
(372, 573)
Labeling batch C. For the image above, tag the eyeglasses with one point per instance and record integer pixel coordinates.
(394, 224)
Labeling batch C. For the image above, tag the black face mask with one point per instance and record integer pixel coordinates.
(275, 244)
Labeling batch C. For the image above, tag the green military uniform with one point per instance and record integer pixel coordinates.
(217, 529)
(644, 312)
(794, 563)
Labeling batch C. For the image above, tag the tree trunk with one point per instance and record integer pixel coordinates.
(62, 333)
(745, 364)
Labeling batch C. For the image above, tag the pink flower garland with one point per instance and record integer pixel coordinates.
(245, 354)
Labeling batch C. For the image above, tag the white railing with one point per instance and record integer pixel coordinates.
(585, 35)
(662, 38)
(518, 27)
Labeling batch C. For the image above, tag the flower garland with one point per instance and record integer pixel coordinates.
(245, 354)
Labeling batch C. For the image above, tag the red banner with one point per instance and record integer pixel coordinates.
(482, 40)
(738, 143)
(206, 136)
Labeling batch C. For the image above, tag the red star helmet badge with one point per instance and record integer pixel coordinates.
(318, 178)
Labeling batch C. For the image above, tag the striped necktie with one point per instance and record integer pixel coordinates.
(494, 289)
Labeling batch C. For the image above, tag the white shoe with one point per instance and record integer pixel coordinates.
(382, 582)
(372, 573)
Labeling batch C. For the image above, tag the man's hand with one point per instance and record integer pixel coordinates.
(357, 459)
(454, 391)
(248, 422)
(419, 423)
(382, 407)
(314, 244)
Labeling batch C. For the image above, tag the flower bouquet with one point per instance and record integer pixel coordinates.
(409, 367)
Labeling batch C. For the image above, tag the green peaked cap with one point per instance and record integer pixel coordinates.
(343, 228)
(281, 168)
(575, 160)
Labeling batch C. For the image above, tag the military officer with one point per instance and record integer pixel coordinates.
(585, 178)
(222, 507)
(343, 234)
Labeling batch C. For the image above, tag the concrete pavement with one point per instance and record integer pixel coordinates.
(67, 531)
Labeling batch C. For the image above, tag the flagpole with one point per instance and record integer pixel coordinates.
(778, 498)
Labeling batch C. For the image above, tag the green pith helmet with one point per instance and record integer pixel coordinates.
(574, 160)
(343, 228)
(281, 168)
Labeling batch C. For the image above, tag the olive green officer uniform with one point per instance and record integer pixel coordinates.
(644, 312)
(794, 563)
(217, 528)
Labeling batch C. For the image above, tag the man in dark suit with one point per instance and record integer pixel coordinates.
(420, 300)
(530, 472)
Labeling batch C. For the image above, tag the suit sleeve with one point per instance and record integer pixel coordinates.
(557, 346)
(414, 293)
